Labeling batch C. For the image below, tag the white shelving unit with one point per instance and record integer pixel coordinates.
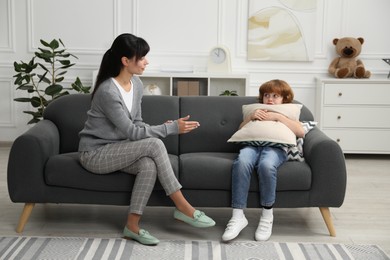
(355, 113)
(209, 84)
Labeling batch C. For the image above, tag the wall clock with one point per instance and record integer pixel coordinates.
(219, 60)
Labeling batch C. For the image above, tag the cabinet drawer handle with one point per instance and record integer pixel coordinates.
(338, 117)
(338, 140)
(340, 94)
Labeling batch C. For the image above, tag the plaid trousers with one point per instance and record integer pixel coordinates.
(146, 158)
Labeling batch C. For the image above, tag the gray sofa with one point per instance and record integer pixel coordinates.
(44, 168)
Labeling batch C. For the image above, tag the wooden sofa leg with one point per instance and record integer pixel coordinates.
(28, 207)
(325, 212)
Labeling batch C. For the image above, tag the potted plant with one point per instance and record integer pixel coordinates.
(229, 93)
(41, 77)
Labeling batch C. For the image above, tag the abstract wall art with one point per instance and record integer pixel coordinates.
(281, 30)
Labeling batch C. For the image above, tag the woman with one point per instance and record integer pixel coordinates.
(265, 160)
(115, 137)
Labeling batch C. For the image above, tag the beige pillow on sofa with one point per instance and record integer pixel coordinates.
(267, 133)
(290, 110)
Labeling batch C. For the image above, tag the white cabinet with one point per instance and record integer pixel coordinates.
(209, 84)
(355, 113)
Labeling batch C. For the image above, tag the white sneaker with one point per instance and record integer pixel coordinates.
(234, 227)
(264, 230)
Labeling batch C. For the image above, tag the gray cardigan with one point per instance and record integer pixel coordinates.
(110, 121)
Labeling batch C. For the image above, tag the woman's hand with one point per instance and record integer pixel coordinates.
(186, 126)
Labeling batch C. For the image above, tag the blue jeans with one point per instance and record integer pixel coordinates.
(265, 160)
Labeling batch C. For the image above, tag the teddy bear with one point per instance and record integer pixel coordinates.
(347, 65)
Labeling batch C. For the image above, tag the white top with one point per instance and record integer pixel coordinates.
(127, 96)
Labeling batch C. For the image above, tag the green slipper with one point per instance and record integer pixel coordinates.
(200, 219)
(143, 237)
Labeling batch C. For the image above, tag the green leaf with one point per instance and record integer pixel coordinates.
(36, 102)
(18, 80)
(26, 87)
(61, 42)
(33, 121)
(54, 44)
(27, 78)
(37, 116)
(59, 53)
(44, 102)
(62, 94)
(22, 99)
(31, 62)
(64, 62)
(67, 66)
(78, 86)
(17, 67)
(43, 67)
(30, 112)
(44, 79)
(45, 56)
(17, 75)
(60, 79)
(45, 43)
(53, 90)
(44, 50)
(229, 93)
(62, 73)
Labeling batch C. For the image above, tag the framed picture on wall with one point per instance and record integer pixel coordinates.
(281, 30)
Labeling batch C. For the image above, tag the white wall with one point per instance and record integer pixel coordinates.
(181, 33)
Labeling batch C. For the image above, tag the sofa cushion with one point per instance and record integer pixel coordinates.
(219, 118)
(267, 133)
(296, 153)
(65, 170)
(155, 110)
(264, 133)
(196, 169)
(294, 176)
(206, 171)
(69, 114)
(290, 110)
(159, 109)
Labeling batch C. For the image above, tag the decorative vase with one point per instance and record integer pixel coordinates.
(152, 89)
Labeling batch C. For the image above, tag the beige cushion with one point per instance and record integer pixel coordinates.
(267, 133)
(290, 110)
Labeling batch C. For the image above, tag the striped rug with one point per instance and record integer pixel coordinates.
(116, 248)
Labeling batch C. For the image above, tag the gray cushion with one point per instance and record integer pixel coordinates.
(196, 169)
(219, 118)
(69, 114)
(64, 170)
(157, 110)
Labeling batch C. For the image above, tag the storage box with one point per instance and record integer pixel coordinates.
(187, 88)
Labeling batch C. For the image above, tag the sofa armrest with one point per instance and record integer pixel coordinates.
(329, 174)
(26, 163)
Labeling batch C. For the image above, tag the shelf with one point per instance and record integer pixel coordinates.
(209, 84)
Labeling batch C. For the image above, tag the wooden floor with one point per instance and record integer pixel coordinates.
(364, 217)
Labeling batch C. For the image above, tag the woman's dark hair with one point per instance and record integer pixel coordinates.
(277, 86)
(125, 45)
